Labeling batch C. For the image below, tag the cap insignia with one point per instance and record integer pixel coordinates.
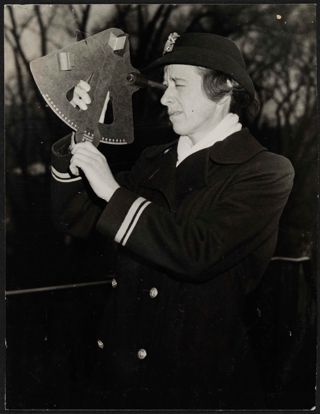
(170, 42)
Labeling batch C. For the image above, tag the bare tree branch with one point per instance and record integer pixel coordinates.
(43, 30)
(26, 24)
(52, 16)
(16, 37)
(85, 17)
(75, 14)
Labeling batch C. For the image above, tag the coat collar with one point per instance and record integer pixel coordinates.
(235, 149)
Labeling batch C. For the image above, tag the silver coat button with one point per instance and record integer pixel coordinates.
(142, 353)
(100, 344)
(153, 292)
(114, 283)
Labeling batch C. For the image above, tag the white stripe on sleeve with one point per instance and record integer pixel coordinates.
(128, 220)
(130, 230)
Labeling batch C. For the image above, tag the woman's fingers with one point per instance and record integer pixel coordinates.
(81, 97)
(84, 163)
(78, 101)
(82, 159)
(74, 170)
(86, 147)
(83, 94)
(91, 158)
(86, 155)
(91, 161)
(84, 85)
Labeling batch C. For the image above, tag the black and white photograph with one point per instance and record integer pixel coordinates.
(161, 204)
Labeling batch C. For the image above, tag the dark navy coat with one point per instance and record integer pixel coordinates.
(193, 241)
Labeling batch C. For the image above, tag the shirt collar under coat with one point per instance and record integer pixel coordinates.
(235, 149)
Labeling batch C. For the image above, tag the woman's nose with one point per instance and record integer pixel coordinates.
(166, 98)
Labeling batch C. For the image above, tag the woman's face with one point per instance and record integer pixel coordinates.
(191, 112)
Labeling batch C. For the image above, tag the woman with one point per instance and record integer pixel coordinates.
(195, 222)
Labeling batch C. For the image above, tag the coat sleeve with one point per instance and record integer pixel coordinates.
(75, 207)
(220, 235)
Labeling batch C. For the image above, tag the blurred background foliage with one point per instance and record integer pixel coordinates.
(279, 46)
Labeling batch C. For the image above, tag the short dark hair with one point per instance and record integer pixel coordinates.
(217, 84)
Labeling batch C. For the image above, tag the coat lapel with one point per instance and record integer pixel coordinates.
(162, 176)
